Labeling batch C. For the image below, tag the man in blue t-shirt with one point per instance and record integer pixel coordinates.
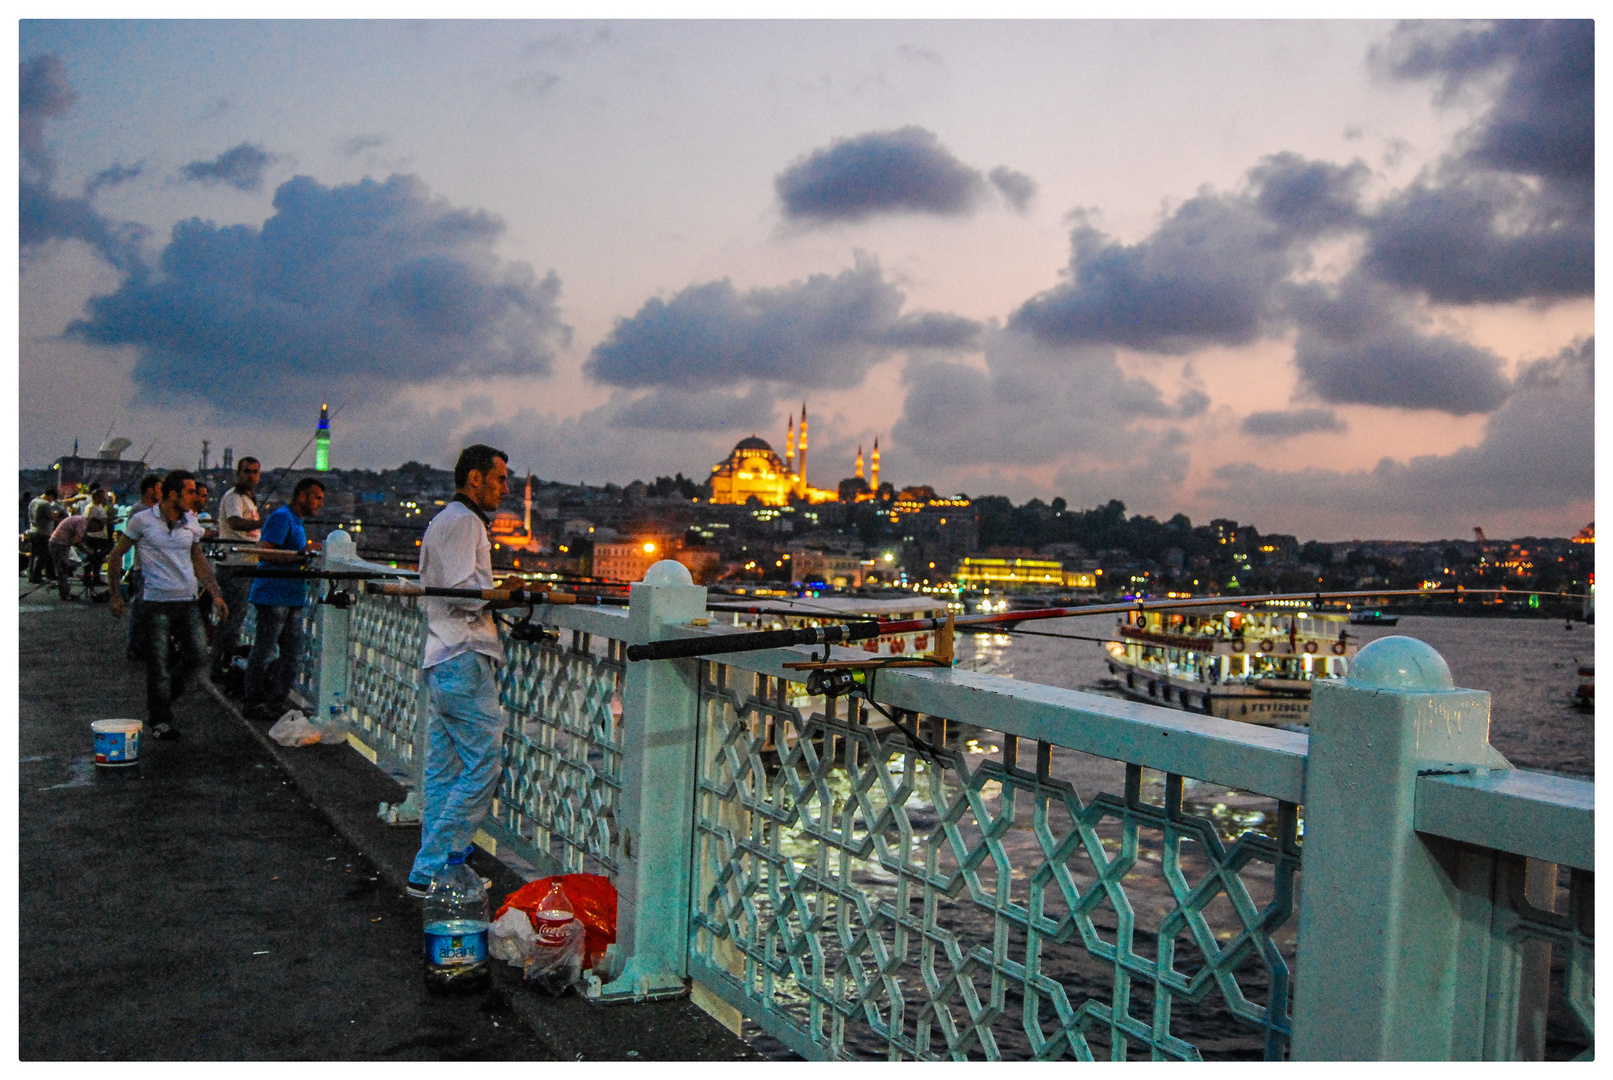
(279, 603)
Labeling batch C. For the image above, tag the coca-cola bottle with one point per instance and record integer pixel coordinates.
(558, 962)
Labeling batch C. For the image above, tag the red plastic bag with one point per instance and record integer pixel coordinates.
(592, 897)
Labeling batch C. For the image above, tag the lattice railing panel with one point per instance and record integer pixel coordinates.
(306, 680)
(563, 751)
(386, 641)
(858, 898)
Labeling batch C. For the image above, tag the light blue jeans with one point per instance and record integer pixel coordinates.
(464, 757)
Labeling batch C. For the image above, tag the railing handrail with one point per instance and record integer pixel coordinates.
(1538, 815)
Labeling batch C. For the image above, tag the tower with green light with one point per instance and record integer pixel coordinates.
(322, 441)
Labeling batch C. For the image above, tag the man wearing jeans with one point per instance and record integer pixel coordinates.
(237, 521)
(465, 727)
(167, 540)
(279, 603)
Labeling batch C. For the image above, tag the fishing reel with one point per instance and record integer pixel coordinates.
(526, 630)
(833, 682)
(340, 599)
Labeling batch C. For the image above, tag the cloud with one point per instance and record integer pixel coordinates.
(1537, 453)
(113, 176)
(354, 290)
(43, 214)
(1508, 215)
(1033, 405)
(1357, 345)
(906, 171)
(671, 409)
(1286, 425)
(824, 331)
(358, 144)
(1209, 274)
(1016, 187)
(241, 167)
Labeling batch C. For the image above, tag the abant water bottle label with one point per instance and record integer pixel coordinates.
(453, 947)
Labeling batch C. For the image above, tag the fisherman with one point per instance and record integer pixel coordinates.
(133, 647)
(465, 727)
(43, 514)
(279, 603)
(167, 540)
(238, 521)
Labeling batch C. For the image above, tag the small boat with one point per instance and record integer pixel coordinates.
(1256, 666)
(1373, 618)
(1585, 696)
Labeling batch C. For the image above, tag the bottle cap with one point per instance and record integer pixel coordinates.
(456, 857)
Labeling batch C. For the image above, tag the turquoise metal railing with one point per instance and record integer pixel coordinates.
(1024, 871)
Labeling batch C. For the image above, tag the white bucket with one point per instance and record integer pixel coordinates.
(117, 742)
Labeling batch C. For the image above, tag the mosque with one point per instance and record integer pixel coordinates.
(755, 471)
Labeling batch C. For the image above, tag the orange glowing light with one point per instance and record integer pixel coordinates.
(649, 548)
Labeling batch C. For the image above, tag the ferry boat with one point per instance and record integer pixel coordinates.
(1255, 665)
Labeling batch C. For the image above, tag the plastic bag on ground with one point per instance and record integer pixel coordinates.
(512, 939)
(557, 955)
(293, 729)
(593, 900)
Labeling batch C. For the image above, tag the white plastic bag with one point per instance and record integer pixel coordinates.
(555, 967)
(293, 729)
(512, 939)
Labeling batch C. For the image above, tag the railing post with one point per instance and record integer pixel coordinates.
(655, 818)
(1380, 904)
(333, 651)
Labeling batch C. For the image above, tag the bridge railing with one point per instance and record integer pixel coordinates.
(985, 868)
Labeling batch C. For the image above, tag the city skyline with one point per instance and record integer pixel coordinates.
(1342, 288)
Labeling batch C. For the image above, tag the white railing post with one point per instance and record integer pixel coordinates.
(1380, 904)
(655, 823)
(333, 651)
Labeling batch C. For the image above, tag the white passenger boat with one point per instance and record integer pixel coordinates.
(1256, 666)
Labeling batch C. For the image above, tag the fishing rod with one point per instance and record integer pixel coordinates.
(517, 596)
(863, 630)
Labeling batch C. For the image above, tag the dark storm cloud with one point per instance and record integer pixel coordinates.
(1537, 453)
(881, 172)
(357, 289)
(1208, 275)
(43, 214)
(1357, 344)
(1508, 215)
(1286, 425)
(1016, 187)
(824, 331)
(241, 167)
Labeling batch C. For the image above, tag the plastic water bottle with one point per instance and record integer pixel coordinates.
(559, 960)
(456, 921)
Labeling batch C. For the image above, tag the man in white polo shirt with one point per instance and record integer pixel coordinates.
(167, 540)
(465, 726)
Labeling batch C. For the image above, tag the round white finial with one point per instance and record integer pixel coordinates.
(339, 545)
(668, 572)
(1400, 663)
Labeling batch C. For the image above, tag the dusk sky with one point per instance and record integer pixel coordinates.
(1330, 278)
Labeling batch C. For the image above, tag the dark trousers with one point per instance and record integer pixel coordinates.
(236, 590)
(59, 555)
(99, 548)
(40, 566)
(271, 667)
(133, 643)
(168, 675)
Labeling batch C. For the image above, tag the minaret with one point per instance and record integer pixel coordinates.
(873, 472)
(800, 479)
(322, 441)
(526, 525)
(859, 461)
(789, 448)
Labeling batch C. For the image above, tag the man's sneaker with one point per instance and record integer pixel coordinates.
(417, 890)
(164, 731)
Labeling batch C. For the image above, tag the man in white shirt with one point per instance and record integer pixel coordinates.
(167, 539)
(465, 727)
(238, 519)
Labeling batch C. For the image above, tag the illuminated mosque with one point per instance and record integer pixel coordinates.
(755, 471)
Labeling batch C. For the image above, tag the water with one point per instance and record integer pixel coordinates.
(1527, 665)
(456, 955)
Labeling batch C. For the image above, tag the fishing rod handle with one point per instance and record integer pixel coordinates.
(686, 648)
(520, 596)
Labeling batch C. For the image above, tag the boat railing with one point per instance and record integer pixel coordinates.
(962, 865)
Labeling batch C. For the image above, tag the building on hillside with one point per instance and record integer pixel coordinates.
(628, 560)
(977, 572)
(753, 470)
(836, 569)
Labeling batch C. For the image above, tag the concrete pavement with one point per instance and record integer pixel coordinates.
(228, 899)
